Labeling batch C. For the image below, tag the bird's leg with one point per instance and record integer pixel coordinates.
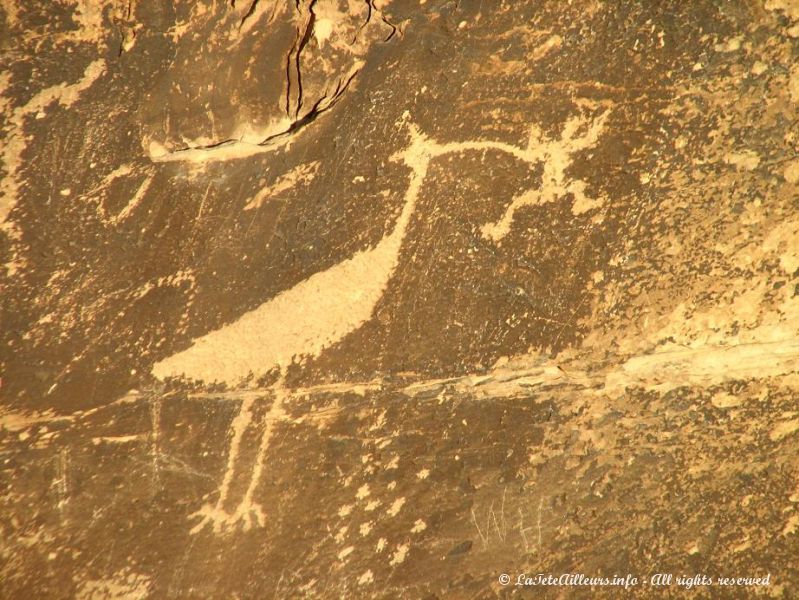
(248, 511)
(216, 514)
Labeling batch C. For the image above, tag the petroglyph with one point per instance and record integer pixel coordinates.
(321, 310)
(248, 513)
(216, 514)
(557, 156)
(548, 315)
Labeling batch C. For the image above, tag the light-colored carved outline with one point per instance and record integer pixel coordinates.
(420, 151)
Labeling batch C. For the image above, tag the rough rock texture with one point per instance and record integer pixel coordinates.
(383, 299)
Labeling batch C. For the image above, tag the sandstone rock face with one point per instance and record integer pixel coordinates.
(386, 299)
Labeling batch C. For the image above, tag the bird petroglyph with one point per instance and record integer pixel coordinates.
(320, 311)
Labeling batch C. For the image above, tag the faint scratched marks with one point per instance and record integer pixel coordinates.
(62, 482)
(557, 156)
(124, 584)
(134, 201)
(15, 142)
(301, 174)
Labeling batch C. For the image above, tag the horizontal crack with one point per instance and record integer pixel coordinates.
(233, 148)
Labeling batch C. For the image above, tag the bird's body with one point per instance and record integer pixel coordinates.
(307, 318)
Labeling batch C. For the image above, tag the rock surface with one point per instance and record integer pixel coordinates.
(384, 299)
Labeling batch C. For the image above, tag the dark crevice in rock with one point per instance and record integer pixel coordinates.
(303, 42)
(249, 13)
(321, 106)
